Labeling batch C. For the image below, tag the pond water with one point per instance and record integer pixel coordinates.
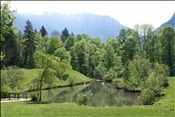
(103, 95)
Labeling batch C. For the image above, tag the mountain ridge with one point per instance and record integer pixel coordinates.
(171, 21)
(91, 24)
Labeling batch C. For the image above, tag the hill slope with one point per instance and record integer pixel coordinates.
(91, 24)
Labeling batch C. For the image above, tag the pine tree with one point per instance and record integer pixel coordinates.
(65, 35)
(43, 31)
(29, 45)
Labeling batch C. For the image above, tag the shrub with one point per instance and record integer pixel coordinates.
(65, 77)
(149, 77)
(84, 98)
(118, 82)
(11, 78)
(111, 74)
(147, 96)
(34, 97)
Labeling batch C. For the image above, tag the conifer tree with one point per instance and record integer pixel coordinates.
(29, 46)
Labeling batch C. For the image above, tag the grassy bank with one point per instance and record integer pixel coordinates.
(163, 107)
(29, 74)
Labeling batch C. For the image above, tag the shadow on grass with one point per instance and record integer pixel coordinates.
(159, 97)
(37, 102)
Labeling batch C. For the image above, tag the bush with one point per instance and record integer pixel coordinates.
(84, 98)
(11, 78)
(65, 77)
(149, 77)
(118, 82)
(147, 96)
(34, 97)
(111, 74)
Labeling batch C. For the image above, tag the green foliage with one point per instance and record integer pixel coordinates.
(84, 98)
(110, 75)
(10, 79)
(147, 97)
(5, 88)
(34, 97)
(7, 18)
(69, 43)
(53, 44)
(9, 49)
(62, 54)
(77, 53)
(29, 46)
(8, 37)
(100, 71)
(118, 82)
(65, 35)
(148, 77)
(168, 47)
(43, 31)
(129, 49)
(52, 66)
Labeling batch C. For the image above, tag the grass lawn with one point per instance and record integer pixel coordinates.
(163, 107)
(30, 74)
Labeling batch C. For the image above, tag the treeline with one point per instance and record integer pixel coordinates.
(91, 56)
(87, 55)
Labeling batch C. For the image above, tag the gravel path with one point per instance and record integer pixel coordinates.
(14, 100)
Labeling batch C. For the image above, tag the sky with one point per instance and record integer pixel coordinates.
(128, 13)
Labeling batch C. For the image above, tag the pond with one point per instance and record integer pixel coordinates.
(104, 94)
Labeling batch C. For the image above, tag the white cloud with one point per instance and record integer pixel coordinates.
(127, 13)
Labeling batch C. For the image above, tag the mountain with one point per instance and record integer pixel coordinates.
(91, 24)
(171, 21)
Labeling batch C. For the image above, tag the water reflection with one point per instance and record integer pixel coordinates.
(103, 95)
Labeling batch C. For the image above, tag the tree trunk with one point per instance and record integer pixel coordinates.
(40, 88)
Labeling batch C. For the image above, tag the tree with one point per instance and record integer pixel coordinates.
(69, 42)
(150, 46)
(29, 45)
(39, 41)
(10, 79)
(150, 78)
(63, 55)
(7, 18)
(129, 49)
(168, 47)
(109, 57)
(65, 35)
(9, 49)
(52, 68)
(20, 47)
(53, 44)
(145, 29)
(90, 50)
(77, 53)
(123, 35)
(55, 33)
(115, 43)
(7, 36)
(43, 31)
